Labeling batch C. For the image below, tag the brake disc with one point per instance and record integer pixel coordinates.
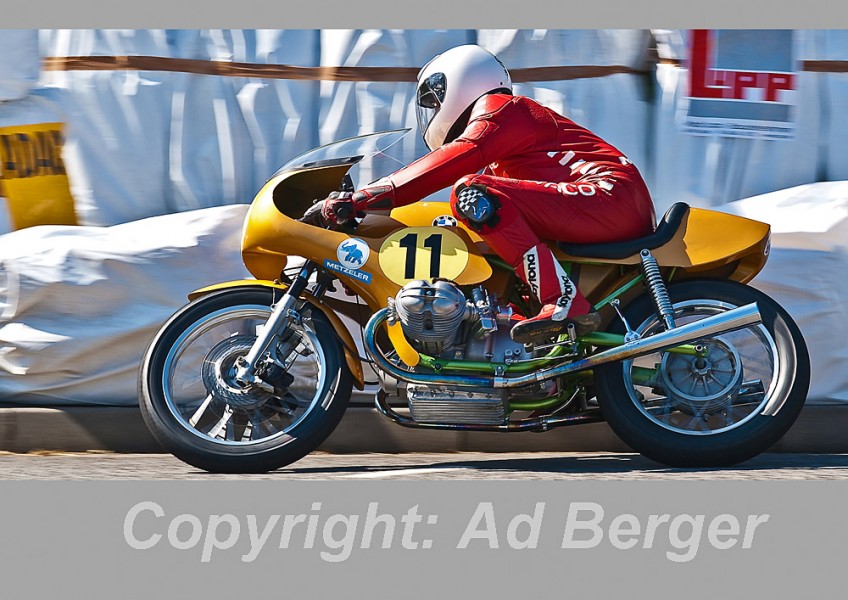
(219, 374)
(702, 384)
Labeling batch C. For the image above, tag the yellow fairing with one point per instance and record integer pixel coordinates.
(352, 360)
(422, 214)
(715, 238)
(271, 234)
(708, 240)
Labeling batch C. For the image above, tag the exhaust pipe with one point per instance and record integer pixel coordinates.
(737, 318)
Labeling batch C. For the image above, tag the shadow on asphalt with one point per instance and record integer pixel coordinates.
(596, 463)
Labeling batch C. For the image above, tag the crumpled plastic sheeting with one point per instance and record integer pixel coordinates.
(281, 115)
(20, 63)
(78, 305)
(805, 273)
(616, 107)
(118, 122)
(710, 170)
(211, 150)
(833, 45)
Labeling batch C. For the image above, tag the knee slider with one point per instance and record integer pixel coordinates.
(477, 208)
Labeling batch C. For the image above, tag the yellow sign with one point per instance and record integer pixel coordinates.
(32, 175)
(423, 253)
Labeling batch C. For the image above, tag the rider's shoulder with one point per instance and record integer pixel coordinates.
(492, 104)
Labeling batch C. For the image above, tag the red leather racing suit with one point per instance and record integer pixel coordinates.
(553, 180)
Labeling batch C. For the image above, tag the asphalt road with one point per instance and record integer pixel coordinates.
(457, 466)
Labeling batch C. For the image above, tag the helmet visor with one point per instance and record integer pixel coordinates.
(431, 94)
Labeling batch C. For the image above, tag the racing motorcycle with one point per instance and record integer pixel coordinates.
(692, 367)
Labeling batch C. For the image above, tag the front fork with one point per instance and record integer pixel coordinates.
(283, 313)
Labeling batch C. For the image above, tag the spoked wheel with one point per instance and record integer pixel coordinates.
(194, 406)
(729, 401)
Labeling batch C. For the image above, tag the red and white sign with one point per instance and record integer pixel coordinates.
(742, 83)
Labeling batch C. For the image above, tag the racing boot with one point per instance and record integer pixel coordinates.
(563, 304)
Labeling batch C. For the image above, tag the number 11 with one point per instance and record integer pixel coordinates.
(433, 242)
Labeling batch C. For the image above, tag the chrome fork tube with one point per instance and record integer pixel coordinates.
(281, 315)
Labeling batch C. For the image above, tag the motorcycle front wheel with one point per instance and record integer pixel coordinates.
(193, 406)
(728, 404)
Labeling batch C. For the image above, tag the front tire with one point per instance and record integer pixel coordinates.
(727, 407)
(195, 409)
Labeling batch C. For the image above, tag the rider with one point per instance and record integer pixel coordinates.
(543, 178)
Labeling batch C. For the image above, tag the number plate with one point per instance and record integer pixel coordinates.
(423, 253)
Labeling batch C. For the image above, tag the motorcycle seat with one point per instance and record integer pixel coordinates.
(663, 234)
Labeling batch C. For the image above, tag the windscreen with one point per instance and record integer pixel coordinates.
(371, 154)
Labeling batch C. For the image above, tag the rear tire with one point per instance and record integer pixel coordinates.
(221, 429)
(686, 416)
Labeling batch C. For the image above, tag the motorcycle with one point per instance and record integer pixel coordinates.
(692, 367)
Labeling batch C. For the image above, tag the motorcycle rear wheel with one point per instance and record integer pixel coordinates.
(735, 403)
(192, 405)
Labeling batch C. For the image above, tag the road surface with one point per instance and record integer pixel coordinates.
(457, 466)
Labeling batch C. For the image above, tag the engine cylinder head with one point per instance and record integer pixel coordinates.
(431, 313)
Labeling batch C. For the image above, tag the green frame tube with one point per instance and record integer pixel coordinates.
(620, 291)
(438, 364)
(598, 338)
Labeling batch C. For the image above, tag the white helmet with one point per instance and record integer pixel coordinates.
(450, 84)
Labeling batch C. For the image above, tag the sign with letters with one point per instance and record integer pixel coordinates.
(742, 83)
(32, 176)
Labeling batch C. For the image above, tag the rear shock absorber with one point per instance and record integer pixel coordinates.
(656, 287)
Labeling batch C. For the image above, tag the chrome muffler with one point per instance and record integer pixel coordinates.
(737, 318)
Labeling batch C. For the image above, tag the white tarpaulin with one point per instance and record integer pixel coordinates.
(281, 115)
(78, 305)
(210, 148)
(833, 45)
(116, 151)
(20, 63)
(805, 273)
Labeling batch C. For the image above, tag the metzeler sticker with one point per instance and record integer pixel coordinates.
(353, 253)
(362, 276)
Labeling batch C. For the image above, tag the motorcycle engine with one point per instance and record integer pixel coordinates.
(430, 314)
(439, 321)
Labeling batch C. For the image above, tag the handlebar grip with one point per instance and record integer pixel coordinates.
(344, 213)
